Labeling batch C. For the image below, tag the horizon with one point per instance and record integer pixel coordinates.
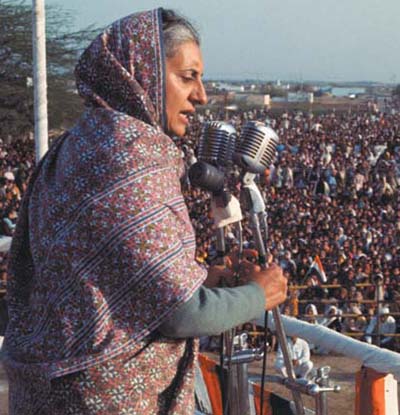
(315, 82)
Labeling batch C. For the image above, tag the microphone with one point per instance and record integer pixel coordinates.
(207, 177)
(217, 143)
(256, 148)
(216, 146)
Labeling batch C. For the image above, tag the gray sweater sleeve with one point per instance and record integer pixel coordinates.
(211, 311)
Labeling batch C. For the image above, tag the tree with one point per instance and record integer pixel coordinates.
(16, 89)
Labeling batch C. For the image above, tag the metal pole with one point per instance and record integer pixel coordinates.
(379, 299)
(321, 399)
(254, 202)
(220, 245)
(39, 78)
(298, 401)
(255, 225)
(242, 379)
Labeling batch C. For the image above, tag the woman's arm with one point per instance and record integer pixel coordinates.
(211, 311)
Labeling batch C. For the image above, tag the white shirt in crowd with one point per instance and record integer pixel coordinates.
(299, 351)
(387, 326)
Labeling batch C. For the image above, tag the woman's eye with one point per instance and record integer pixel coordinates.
(187, 78)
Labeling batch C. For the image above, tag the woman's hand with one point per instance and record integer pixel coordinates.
(228, 275)
(271, 280)
(220, 276)
(234, 262)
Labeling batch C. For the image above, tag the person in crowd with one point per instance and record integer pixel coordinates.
(299, 352)
(9, 221)
(105, 298)
(311, 314)
(386, 326)
(332, 319)
(12, 190)
(356, 321)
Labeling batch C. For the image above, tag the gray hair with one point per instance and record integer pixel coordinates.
(177, 30)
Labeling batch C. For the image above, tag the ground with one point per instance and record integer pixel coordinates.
(343, 374)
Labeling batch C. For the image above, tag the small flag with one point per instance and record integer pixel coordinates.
(316, 272)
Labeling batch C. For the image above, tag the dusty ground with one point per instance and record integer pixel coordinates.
(343, 374)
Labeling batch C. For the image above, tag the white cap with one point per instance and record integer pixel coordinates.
(384, 310)
(9, 175)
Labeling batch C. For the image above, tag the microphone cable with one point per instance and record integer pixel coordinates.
(264, 362)
(264, 223)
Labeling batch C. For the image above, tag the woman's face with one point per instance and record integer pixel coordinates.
(184, 87)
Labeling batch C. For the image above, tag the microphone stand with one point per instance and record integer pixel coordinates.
(226, 339)
(225, 211)
(254, 203)
(216, 146)
(230, 384)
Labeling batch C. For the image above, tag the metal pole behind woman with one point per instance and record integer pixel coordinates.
(256, 151)
(39, 78)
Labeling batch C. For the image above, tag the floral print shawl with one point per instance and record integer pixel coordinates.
(104, 249)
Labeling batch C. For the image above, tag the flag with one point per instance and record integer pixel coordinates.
(316, 272)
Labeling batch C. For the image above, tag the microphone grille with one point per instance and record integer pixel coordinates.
(257, 147)
(217, 143)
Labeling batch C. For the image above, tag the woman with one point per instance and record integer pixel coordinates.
(311, 316)
(332, 319)
(105, 297)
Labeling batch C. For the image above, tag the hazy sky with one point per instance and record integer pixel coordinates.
(329, 40)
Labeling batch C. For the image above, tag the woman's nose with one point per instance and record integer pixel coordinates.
(199, 94)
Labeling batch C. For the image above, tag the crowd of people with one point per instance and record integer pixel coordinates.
(333, 191)
(16, 165)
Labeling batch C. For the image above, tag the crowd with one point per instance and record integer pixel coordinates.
(333, 191)
(16, 165)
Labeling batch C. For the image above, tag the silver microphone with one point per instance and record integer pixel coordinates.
(217, 143)
(256, 148)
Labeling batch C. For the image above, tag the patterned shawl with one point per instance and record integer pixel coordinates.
(104, 248)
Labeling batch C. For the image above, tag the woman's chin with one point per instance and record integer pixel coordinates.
(178, 131)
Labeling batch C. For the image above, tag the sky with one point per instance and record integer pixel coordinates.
(298, 40)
